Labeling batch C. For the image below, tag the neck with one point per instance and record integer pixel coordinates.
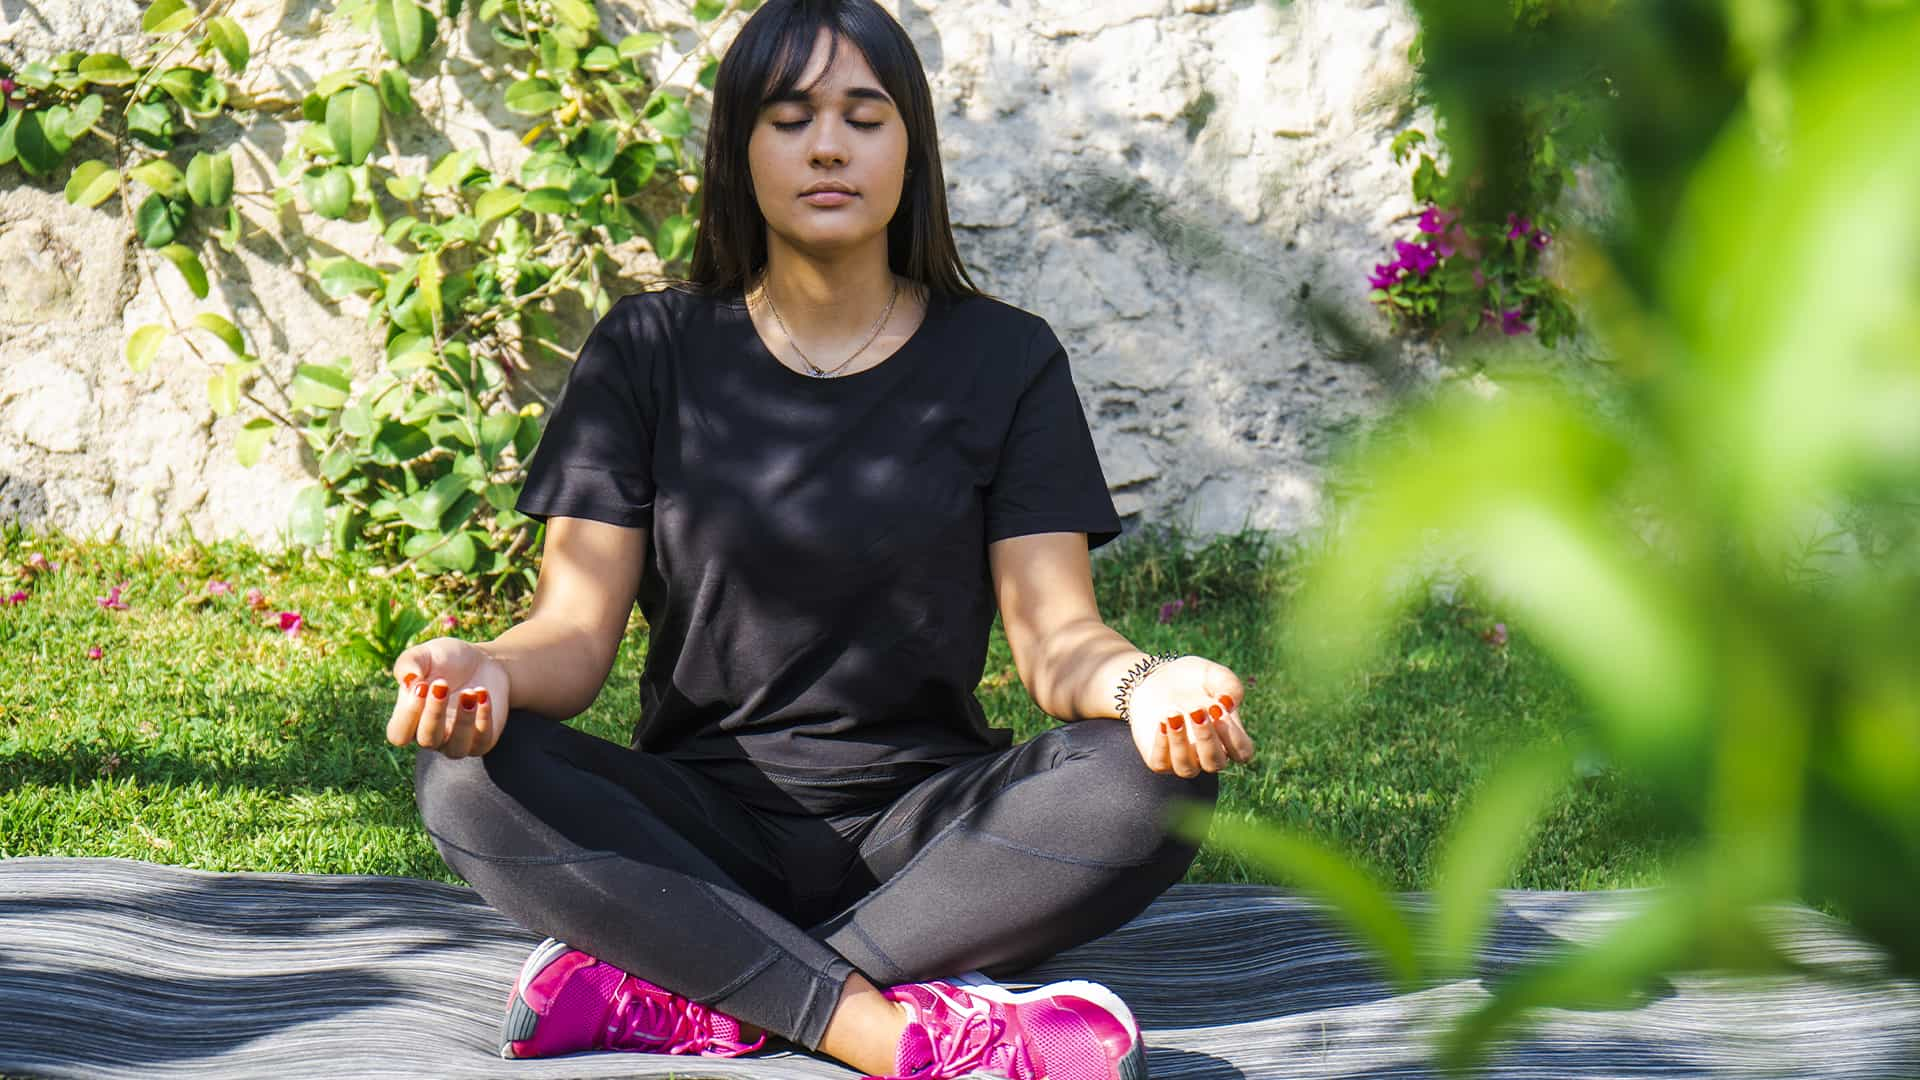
(828, 299)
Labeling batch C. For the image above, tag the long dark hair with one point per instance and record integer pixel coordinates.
(766, 60)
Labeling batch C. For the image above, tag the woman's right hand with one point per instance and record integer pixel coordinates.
(453, 698)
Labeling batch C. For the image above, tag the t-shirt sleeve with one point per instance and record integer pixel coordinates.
(1048, 478)
(595, 456)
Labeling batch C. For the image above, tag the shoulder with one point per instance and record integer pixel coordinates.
(1003, 329)
(660, 315)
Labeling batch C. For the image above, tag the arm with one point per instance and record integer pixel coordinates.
(1072, 662)
(558, 657)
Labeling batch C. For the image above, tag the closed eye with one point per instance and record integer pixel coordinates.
(795, 125)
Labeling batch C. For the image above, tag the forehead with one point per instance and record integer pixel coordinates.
(849, 75)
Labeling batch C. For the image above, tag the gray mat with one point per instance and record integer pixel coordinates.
(115, 968)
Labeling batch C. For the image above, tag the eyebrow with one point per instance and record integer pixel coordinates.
(803, 97)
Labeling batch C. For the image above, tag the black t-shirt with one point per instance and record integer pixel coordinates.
(816, 585)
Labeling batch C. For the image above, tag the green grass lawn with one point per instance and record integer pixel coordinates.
(203, 736)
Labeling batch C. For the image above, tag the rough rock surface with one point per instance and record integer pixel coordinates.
(1184, 188)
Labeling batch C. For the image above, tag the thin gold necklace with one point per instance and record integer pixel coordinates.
(814, 369)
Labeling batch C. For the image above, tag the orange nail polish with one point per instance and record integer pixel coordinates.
(439, 691)
(1216, 711)
(408, 682)
(467, 700)
(1177, 723)
(480, 696)
(1163, 727)
(1226, 700)
(1199, 716)
(420, 691)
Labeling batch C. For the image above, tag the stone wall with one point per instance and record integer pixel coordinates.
(1183, 188)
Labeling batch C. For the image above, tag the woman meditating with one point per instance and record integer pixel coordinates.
(820, 465)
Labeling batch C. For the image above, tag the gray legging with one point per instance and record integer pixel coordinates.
(992, 864)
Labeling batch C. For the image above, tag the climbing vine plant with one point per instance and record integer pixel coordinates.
(422, 461)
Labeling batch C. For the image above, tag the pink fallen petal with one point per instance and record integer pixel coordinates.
(290, 623)
(450, 622)
(95, 653)
(220, 588)
(39, 562)
(19, 597)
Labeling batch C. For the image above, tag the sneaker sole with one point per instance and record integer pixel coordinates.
(521, 1019)
(1131, 1067)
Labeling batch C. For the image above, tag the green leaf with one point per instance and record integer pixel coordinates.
(188, 263)
(219, 327)
(548, 200)
(107, 69)
(396, 92)
(497, 203)
(210, 179)
(1351, 894)
(251, 443)
(344, 275)
(318, 386)
(405, 28)
(152, 123)
(675, 238)
(333, 82)
(91, 183)
(223, 390)
(556, 56)
(533, 97)
(307, 521)
(166, 16)
(709, 73)
(634, 167)
(353, 121)
(707, 10)
(144, 344)
(83, 116)
(669, 116)
(423, 509)
(35, 151)
(448, 173)
(231, 40)
(600, 58)
(578, 14)
(596, 146)
(399, 443)
(636, 45)
(329, 191)
(496, 434)
(1479, 852)
(199, 92)
(7, 124)
(430, 287)
(162, 176)
(157, 219)
(404, 188)
(458, 553)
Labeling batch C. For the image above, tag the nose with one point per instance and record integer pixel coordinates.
(829, 146)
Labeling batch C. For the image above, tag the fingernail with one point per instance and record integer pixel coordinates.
(480, 696)
(1163, 727)
(1216, 711)
(1176, 722)
(409, 680)
(1226, 700)
(1199, 716)
(439, 691)
(467, 700)
(420, 691)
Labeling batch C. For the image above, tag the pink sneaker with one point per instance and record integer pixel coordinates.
(1060, 1031)
(566, 1001)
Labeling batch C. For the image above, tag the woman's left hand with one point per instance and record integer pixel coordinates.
(1185, 716)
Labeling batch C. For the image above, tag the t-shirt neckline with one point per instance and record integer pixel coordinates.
(764, 355)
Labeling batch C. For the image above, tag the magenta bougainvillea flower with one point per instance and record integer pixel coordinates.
(291, 623)
(1384, 275)
(1514, 322)
(1171, 608)
(1497, 636)
(1541, 240)
(19, 596)
(1518, 227)
(112, 600)
(1417, 258)
(1436, 220)
(449, 622)
(95, 653)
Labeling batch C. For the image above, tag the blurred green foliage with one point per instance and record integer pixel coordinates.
(1722, 559)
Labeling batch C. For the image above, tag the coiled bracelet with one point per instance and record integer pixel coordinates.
(1123, 696)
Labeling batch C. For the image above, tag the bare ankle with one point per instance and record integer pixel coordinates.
(865, 1029)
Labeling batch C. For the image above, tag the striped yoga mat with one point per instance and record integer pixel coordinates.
(114, 968)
